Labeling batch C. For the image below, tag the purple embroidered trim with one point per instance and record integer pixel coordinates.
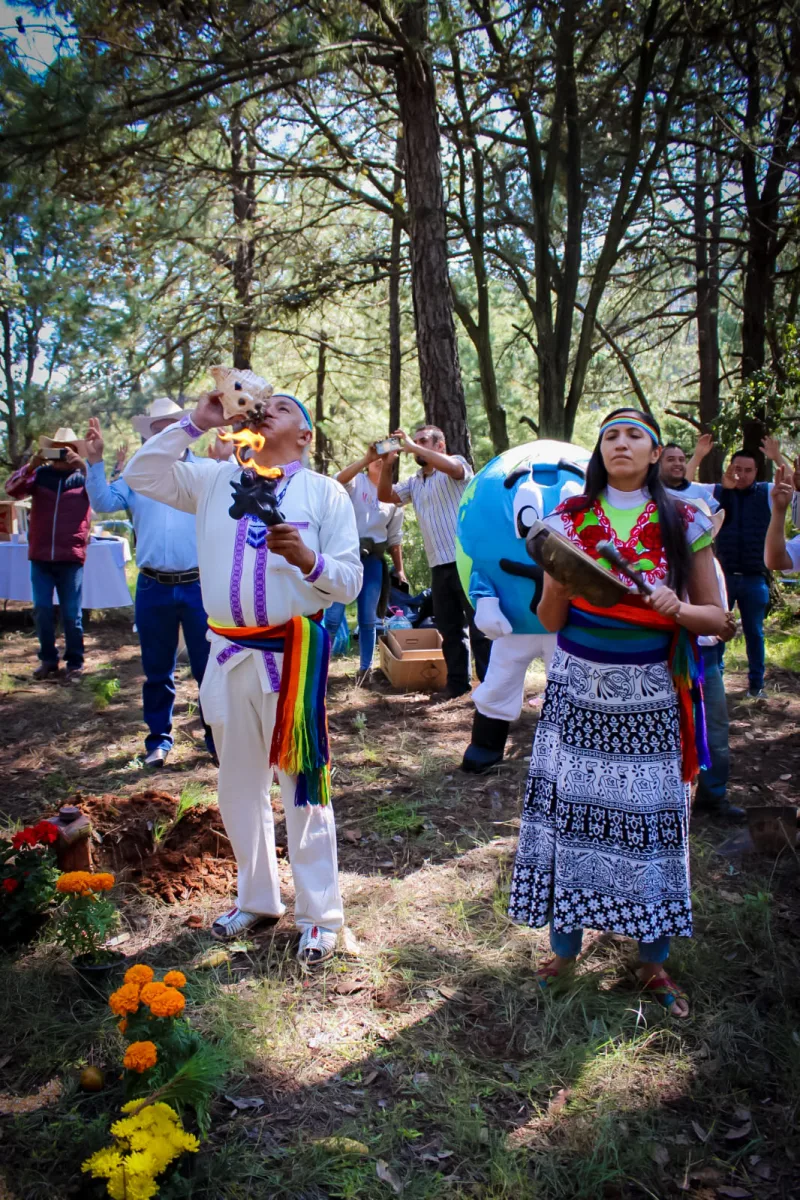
(227, 653)
(298, 524)
(291, 469)
(236, 572)
(272, 670)
(318, 569)
(188, 424)
(260, 586)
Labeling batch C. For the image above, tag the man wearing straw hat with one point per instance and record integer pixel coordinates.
(58, 534)
(270, 562)
(168, 596)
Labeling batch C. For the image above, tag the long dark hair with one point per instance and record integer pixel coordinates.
(672, 532)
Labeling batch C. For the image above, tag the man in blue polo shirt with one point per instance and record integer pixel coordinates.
(168, 588)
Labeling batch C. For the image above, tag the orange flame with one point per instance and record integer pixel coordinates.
(248, 439)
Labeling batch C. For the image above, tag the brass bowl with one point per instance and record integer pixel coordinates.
(573, 568)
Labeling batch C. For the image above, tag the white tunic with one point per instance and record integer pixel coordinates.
(242, 583)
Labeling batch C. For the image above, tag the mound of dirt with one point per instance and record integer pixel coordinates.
(139, 839)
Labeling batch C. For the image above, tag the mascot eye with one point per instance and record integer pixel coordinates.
(525, 518)
(528, 507)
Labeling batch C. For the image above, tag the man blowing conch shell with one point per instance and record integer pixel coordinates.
(266, 573)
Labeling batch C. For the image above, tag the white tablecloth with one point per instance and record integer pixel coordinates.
(104, 582)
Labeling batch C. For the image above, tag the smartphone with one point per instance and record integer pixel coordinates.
(54, 453)
(387, 445)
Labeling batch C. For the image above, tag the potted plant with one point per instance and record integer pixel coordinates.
(86, 916)
(28, 875)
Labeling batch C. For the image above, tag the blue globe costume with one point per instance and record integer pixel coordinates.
(504, 586)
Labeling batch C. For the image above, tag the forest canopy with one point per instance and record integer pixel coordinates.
(503, 218)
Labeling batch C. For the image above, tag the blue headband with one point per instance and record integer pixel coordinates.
(630, 421)
(300, 405)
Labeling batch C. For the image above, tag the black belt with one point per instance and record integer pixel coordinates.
(171, 578)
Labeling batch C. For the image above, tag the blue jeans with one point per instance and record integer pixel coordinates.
(368, 599)
(67, 579)
(713, 783)
(161, 609)
(568, 945)
(751, 592)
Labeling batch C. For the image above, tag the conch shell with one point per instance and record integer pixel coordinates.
(243, 394)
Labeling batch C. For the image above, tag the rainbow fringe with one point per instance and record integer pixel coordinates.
(300, 740)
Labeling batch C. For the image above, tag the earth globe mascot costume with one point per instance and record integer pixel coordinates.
(504, 586)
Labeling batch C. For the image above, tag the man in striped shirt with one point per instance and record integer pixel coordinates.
(435, 492)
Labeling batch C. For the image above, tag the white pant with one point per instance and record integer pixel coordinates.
(243, 720)
(501, 694)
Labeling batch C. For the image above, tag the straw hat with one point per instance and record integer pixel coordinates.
(64, 437)
(158, 410)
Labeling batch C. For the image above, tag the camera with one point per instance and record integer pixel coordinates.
(54, 453)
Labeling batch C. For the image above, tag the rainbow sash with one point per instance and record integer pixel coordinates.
(679, 647)
(300, 738)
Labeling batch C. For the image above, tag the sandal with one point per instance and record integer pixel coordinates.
(667, 992)
(547, 974)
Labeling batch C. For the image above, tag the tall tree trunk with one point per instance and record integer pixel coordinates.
(321, 444)
(437, 345)
(706, 241)
(243, 185)
(395, 359)
(12, 427)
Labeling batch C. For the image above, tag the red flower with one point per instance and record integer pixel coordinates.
(591, 536)
(10, 885)
(46, 832)
(24, 837)
(650, 537)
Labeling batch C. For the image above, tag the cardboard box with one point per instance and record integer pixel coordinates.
(412, 660)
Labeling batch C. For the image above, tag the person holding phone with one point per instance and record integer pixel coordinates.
(380, 529)
(435, 492)
(58, 534)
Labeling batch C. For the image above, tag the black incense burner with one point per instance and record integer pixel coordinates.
(254, 496)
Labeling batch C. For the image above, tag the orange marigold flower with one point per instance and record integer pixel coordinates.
(103, 882)
(124, 1000)
(139, 973)
(168, 1004)
(140, 1056)
(151, 990)
(75, 883)
(175, 979)
(122, 1025)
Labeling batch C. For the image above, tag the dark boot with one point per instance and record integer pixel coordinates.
(487, 746)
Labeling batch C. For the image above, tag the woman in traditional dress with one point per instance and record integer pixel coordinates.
(604, 835)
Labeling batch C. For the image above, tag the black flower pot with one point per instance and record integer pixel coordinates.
(98, 973)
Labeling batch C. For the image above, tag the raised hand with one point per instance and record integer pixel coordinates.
(208, 414)
(94, 441)
(122, 458)
(408, 447)
(705, 444)
(782, 489)
(731, 475)
(771, 448)
(73, 460)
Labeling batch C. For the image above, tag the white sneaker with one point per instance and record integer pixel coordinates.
(236, 922)
(317, 945)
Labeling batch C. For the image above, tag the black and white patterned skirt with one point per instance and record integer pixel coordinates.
(604, 840)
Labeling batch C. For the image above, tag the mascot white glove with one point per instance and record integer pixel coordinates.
(489, 618)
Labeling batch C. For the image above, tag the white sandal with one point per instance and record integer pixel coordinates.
(317, 945)
(236, 922)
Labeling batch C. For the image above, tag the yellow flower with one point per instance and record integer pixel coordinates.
(175, 979)
(124, 1000)
(103, 882)
(74, 882)
(140, 1056)
(151, 990)
(139, 973)
(168, 1003)
(103, 1162)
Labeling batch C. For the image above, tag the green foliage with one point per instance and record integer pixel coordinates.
(83, 924)
(103, 690)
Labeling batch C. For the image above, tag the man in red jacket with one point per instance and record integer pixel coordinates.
(58, 534)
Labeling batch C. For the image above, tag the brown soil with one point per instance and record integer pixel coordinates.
(137, 838)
